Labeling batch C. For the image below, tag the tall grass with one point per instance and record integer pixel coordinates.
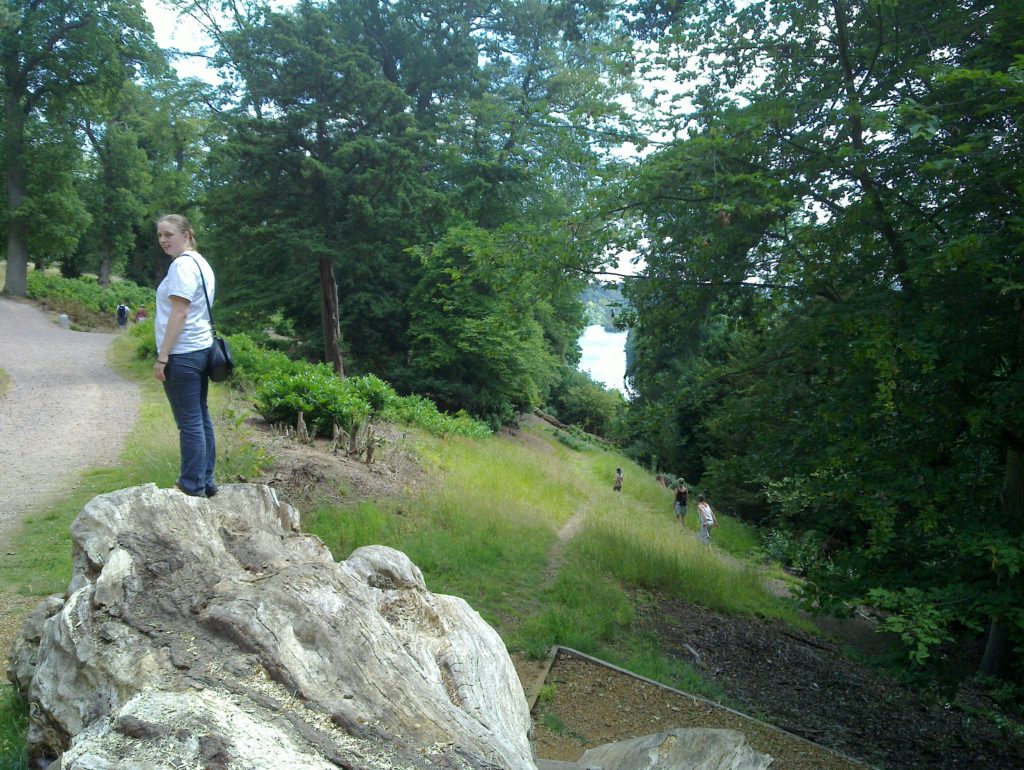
(13, 727)
(5, 382)
(658, 555)
(487, 530)
(630, 542)
(483, 531)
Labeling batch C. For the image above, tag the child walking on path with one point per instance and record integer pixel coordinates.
(707, 520)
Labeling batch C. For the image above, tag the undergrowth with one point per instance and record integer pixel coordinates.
(13, 726)
(87, 304)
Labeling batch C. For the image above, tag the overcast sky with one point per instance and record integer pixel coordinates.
(183, 34)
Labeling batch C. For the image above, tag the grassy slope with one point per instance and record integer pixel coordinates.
(487, 531)
(489, 534)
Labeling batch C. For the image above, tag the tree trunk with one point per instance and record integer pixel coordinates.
(329, 317)
(996, 658)
(16, 282)
(104, 276)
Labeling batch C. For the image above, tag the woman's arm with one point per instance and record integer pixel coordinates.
(175, 323)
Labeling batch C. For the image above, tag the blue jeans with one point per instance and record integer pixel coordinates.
(186, 385)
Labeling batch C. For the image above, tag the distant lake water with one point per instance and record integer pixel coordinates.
(604, 356)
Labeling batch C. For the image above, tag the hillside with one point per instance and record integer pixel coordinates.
(526, 528)
(814, 681)
(603, 302)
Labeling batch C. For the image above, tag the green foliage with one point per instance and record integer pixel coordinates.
(144, 340)
(13, 727)
(119, 185)
(255, 364)
(355, 138)
(53, 214)
(423, 413)
(476, 340)
(379, 395)
(579, 400)
(797, 552)
(61, 61)
(318, 394)
(284, 387)
(920, 621)
(83, 299)
(828, 330)
(604, 302)
(374, 144)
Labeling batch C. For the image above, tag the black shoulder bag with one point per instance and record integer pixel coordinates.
(219, 362)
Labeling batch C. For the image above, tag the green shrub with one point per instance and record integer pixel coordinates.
(284, 387)
(145, 340)
(318, 393)
(255, 364)
(374, 391)
(579, 400)
(84, 296)
(796, 552)
(423, 413)
(463, 424)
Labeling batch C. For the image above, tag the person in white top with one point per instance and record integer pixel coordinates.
(183, 340)
(707, 519)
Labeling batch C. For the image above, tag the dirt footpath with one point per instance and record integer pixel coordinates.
(65, 411)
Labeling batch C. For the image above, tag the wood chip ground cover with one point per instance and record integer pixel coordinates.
(794, 681)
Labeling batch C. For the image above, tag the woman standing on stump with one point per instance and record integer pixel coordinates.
(183, 340)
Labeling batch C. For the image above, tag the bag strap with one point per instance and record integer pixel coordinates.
(209, 310)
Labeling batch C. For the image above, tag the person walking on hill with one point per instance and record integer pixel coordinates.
(707, 519)
(122, 315)
(617, 486)
(183, 339)
(681, 502)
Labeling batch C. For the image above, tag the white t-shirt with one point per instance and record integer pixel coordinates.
(182, 280)
(705, 510)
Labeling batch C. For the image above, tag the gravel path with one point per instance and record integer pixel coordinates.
(66, 410)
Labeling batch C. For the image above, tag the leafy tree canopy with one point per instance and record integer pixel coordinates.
(830, 324)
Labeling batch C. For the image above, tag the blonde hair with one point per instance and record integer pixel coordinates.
(183, 226)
